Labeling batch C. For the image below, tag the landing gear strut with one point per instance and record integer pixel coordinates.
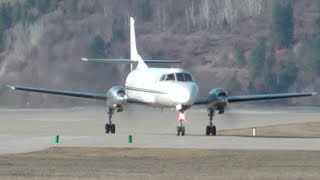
(180, 127)
(211, 129)
(110, 127)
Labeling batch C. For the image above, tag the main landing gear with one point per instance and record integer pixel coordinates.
(211, 129)
(110, 127)
(180, 128)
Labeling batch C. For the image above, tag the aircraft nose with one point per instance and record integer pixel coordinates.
(182, 95)
(186, 95)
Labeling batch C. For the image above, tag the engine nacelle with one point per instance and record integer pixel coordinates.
(218, 99)
(116, 97)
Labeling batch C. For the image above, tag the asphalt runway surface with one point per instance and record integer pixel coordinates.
(28, 130)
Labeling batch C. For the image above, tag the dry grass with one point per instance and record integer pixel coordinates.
(310, 129)
(112, 163)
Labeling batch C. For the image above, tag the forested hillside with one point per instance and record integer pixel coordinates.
(247, 46)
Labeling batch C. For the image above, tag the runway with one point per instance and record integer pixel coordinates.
(27, 130)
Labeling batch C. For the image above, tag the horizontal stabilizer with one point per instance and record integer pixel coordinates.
(129, 61)
(161, 61)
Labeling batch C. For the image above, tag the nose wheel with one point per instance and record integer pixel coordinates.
(180, 128)
(110, 127)
(211, 129)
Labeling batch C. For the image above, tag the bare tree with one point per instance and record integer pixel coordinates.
(233, 10)
(205, 13)
(190, 16)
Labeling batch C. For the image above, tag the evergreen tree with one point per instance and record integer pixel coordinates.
(30, 3)
(268, 76)
(315, 42)
(43, 6)
(17, 12)
(282, 27)
(317, 26)
(257, 58)
(234, 85)
(315, 61)
(256, 63)
(225, 23)
(5, 16)
(146, 10)
(239, 55)
(2, 45)
(73, 6)
(97, 48)
(287, 76)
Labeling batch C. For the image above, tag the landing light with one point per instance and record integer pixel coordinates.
(84, 59)
(179, 107)
(11, 87)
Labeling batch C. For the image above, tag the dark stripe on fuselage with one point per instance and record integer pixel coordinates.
(144, 90)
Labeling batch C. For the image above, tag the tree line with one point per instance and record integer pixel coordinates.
(266, 73)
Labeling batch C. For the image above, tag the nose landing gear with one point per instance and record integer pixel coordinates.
(180, 127)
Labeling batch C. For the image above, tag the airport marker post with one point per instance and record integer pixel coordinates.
(254, 132)
(130, 139)
(56, 139)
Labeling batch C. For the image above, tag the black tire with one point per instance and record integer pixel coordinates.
(208, 131)
(107, 128)
(183, 130)
(213, 130)
(113, 128)
(178, 130)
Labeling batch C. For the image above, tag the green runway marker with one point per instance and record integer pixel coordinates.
(130, 139)
(56, 139)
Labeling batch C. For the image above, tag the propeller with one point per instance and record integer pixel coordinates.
(228, 115)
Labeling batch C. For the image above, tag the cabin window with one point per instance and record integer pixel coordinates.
(188, 77)
(170, 77)
(162, 77)
(180, 77)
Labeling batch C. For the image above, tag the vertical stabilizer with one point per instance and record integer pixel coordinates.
(134, 56)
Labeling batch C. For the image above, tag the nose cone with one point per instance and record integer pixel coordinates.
(185, 95)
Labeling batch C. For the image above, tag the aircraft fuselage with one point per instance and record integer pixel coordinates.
(162, 86)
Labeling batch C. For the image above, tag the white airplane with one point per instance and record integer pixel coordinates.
(160, 87)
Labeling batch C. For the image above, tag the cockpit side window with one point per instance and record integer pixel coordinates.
(188, 77)
(180, 77)
(170, 77)
(162, 77)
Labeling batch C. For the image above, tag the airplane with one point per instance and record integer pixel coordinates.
(160, 87)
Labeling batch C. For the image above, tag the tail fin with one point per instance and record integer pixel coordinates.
(135, 58)
(134, 55)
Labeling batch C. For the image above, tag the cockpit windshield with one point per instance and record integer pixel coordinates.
(170, 77)
(182, 77)
(162, 77)
(188, 77)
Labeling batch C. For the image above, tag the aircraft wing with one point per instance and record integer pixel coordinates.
(72, 94)
(260, 97)
(61, 92)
